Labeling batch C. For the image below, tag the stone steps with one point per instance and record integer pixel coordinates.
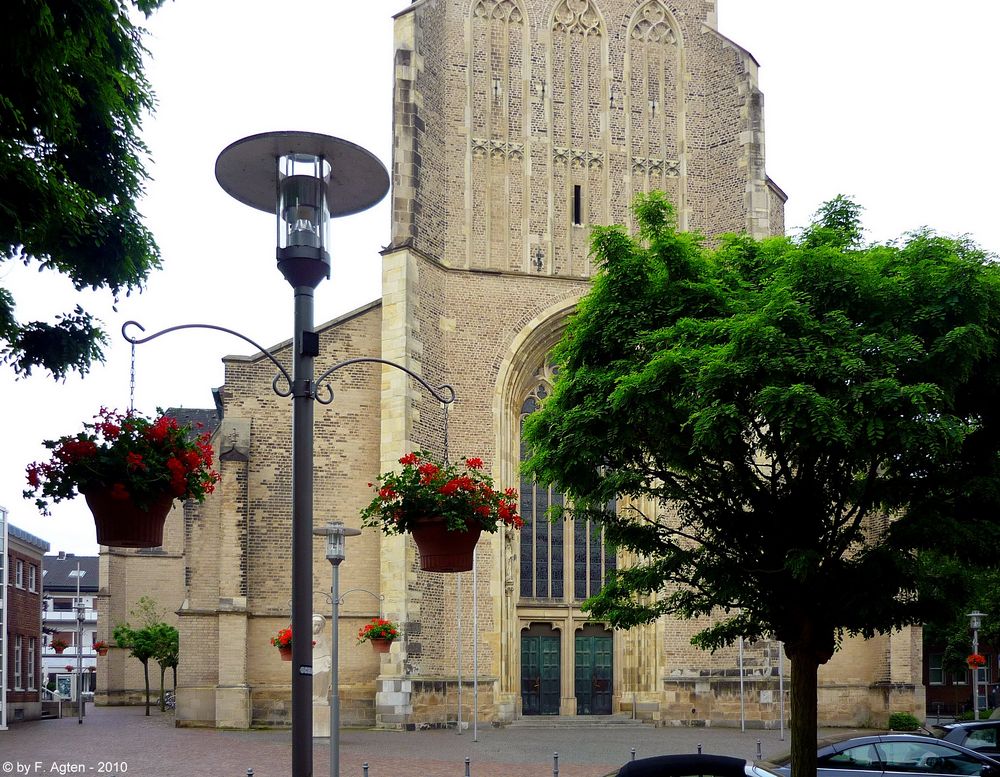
(576, 721)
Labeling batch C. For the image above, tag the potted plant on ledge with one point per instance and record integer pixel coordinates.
(130, 469)
(380, 633)
(444, 506)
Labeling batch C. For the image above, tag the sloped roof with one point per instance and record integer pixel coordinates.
(59, 573)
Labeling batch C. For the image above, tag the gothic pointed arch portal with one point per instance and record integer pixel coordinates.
(550, 568)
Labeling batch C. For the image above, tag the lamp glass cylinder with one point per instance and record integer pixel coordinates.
(303, 206)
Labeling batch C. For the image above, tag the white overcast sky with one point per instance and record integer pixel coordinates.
(890, 101)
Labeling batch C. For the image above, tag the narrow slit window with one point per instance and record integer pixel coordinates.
(577, 205)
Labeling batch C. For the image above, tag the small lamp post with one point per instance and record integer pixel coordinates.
(81, 615)
(975, 623)
(305, 178)
(335, 533)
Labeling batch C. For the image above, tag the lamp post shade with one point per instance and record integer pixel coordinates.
(305, 178)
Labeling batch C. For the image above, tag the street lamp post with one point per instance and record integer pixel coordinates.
(335, 532)
(306, 178)
(975, 623)
(81, 615)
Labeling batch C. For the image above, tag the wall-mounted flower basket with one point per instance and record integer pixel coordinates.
(101, 647)
(285, 653)
(122, 524)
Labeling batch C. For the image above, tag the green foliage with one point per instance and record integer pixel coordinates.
(156, 640)
(903, 721)
(786, 425)
(72, 98)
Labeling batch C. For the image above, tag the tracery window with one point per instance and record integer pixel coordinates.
(564, 561)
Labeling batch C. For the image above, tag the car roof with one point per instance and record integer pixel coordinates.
(960, 724)
(685, 764)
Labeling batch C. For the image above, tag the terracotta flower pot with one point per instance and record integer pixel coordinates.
(58, 650)
(285, 653)
(442, 550)
(102, 651)
(121, 524)
(381, 645)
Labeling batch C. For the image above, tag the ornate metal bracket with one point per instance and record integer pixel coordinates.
(443, 393)
(274, 383)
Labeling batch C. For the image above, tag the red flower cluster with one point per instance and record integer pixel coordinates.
(460, 493)
(283, 639)
(975, 661)
(378, 628)
(131, 456)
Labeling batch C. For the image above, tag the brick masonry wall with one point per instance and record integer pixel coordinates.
(25, 620)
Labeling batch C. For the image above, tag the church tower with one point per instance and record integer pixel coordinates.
(518, 124)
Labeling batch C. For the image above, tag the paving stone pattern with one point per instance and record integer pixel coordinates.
(122, 742)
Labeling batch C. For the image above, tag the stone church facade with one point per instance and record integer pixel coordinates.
(517, 124)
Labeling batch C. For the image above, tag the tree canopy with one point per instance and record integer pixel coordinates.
(785, 422)
(72, 97)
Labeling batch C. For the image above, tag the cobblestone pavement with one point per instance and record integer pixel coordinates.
(122, 742)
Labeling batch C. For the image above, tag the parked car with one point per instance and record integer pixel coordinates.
(690, 765)
(890, 754)
(979, 735)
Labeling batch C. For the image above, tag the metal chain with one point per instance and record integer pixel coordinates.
(131, 387)
(446, 406)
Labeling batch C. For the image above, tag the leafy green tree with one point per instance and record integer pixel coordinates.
(167, 653)
(141, 644)
(72, 97)
(814, 412)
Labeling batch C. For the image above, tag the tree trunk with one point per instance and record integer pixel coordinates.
(145, 674)
(805, 669)
(163, 701)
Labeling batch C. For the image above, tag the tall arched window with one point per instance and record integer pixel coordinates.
(566, 561)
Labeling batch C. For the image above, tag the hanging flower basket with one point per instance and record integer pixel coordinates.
(101, 647)
(444, 506)
(283, 641)
(130, 469)
(443, 550)
(59, 646)
(380, 632)
(121, 523)
(976, 661)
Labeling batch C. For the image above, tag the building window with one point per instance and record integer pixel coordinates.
(935, 669)
(577, 204)
(17, 663)
(556, 559)
(19, 573)
(31, 663)
(32, 578)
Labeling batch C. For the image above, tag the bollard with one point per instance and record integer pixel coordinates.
(364, 768)
(249, 772)
(760, 754)
(467, 772)
(555, 765)
(633, 753)
(699, 748)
